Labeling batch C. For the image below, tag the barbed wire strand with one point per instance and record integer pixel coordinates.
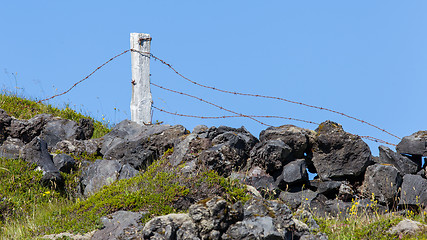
(210, 103)
(225, 91)
(232, 116)
(88, 76)
(268, 97)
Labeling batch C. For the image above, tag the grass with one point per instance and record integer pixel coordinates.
(365, 222)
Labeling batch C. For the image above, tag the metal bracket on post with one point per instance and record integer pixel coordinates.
(140, 106)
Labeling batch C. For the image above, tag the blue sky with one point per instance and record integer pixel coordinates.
(364, 58)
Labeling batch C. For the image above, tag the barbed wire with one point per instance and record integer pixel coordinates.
(210, 103)
(269, 97)
(232, 116)
(252, 117)
(77, 83)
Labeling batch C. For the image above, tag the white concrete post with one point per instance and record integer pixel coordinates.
(140, 105)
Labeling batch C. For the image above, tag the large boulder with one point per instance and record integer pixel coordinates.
(405, 164)
(230, 150)
(64, 163)
(259, 179)
(99, 174)
(172, 226)
(90, 147)
(328, 188)
(27, 130)
(298, 139)
(117, 225)
(5, 121)
(414, 191)
(383, 183)
(140, 145)
(293, 174)
(271, 155)
(298, 199)
(339, 155)
(61, 129)
(415, 144)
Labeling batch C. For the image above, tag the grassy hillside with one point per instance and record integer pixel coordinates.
(28, 209)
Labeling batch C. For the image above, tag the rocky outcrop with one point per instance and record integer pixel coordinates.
(216, 219)
(274, 167)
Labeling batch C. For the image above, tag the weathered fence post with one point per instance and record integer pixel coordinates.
(140, 105)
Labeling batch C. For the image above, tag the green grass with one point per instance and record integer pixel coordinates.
(367, 223)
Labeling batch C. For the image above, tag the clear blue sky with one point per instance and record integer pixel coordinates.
(367, 59)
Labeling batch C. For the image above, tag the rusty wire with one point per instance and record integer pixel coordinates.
(210, 103)
(77, 83)
(269, 97)
(252, 117)
(232, 116)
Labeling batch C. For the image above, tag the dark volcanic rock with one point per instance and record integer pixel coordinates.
(79, 147)
(298, 199)
(36, 152)
(64, 163)
(382, 182)
(298, 139)
(263, 220)
(415, 144)
(61, 129)
(27, 130)
(404, 164)
(5, 121)
(214, 218)
(118, 225)
(230, 150)
(327, 188)
(127, 172)
(258, 178)
(414, 191)
(140, 145)
(271, 155)
(99, 174)
(11, 148)
(338, 154)
(293, 173)
(87, 128)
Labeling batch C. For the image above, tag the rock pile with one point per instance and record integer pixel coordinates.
(276, 165)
